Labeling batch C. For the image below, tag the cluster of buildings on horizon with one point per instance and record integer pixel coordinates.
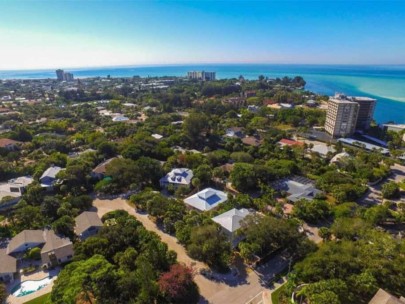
(61, 75)
(201, 75)
(347, 114)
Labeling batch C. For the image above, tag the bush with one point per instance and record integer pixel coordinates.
(34, 254)
(390, 190)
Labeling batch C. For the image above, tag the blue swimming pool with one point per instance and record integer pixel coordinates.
(28, 287)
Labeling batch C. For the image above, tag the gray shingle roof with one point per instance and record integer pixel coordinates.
(101, 168)
(86, 220)
(25, 236)
(8, 264)
(54, 242)
(383, 297)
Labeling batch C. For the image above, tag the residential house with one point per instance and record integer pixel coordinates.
(25, 240)
(177, 177)
(383, 297)
(48, 178)
(253, 108)
(55, 249)
(157, 136)
(311, 103)
(206, 199)
(252, 141)
(234, 132)
(8, 267)
(286, 105)
(99, 171)
(10, 144)
(339, 157)
(291, 143)
(87, 224)
(249, 94)
(234, 101)
(120, 118)
(13, 190)
(230, 222)
(297, 189)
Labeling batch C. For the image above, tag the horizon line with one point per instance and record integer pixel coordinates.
(199, 64)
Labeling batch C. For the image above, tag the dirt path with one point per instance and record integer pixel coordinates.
(216, 292)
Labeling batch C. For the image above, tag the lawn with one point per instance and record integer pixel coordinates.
(40, 300)
(284, 127)
(275, 296)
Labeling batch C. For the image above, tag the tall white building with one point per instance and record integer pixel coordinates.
(201, 75)
(68, 77)
(61, 75)
(341, 117)
(346, 114)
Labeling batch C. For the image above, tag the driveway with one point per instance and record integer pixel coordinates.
(374, 195)
(221, 289)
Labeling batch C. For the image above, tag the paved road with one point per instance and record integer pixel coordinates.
(224, 289)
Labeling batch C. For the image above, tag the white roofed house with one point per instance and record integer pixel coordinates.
(297, 188)
(230, 222)
(206, 199)
(48, 178)
(177, 177)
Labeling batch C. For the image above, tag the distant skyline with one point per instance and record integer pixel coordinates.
(76, 34)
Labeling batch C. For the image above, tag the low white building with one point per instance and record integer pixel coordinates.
(206, 199)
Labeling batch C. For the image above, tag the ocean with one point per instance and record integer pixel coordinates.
(385, 83)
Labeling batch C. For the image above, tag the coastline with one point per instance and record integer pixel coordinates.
(386, 83)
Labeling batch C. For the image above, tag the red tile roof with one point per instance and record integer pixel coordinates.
(290, 142)
(4, 142)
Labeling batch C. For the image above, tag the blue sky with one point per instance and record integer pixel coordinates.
(50, 34)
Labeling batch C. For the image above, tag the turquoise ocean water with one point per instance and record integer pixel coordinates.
(385, 83)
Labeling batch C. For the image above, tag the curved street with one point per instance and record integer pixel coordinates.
(222, 289)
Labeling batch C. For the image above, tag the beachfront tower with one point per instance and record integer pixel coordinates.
(201, 75)
(60, 75)
(341, 117)
(366, 112)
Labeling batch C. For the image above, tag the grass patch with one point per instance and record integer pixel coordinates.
(275, 296)
(40, 300)
(284, 127)
(330, 199)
